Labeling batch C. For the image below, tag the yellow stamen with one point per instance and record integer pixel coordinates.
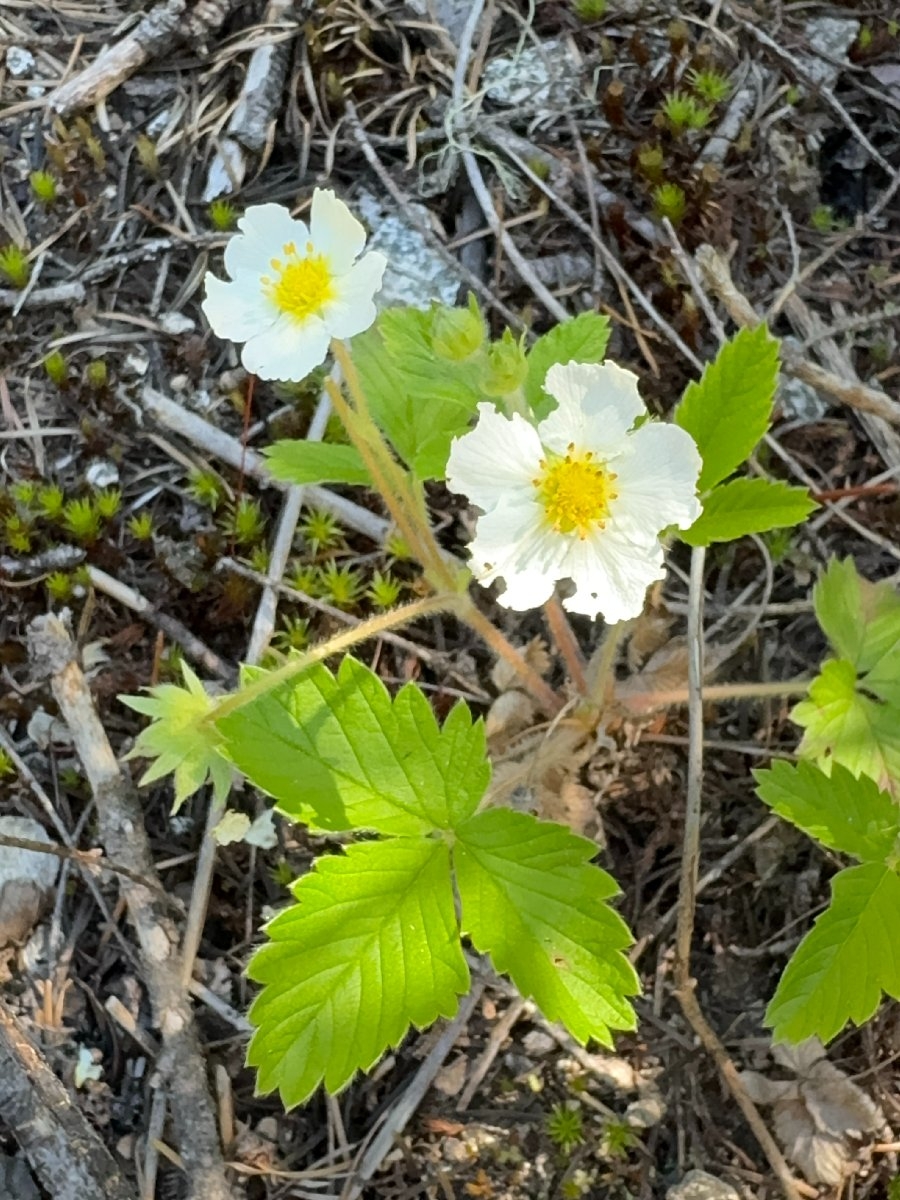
(301, 287)
(575, 491)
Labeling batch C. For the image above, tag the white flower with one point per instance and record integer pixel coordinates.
(294, 288)
(582, 496)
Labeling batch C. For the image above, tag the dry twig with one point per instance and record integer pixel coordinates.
(166, 25)
(125, 841)
(62, 1147)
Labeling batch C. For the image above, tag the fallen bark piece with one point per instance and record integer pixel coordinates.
(63, 1150)
(163, 27)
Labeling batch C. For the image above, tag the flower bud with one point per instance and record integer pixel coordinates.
(506, 368)
(458, 332)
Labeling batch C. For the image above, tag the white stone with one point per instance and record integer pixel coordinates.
(19, 62)
(101, 473)
(699, 1185)
(415, 273)
(829, 38)
(542, 77)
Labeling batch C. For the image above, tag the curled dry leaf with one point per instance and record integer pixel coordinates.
(816, 1114)
(26, 877)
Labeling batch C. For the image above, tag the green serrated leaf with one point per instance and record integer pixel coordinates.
(179, 739)
(848, 959)
(531, 899)
(846, 727)
(370, 948)
(748, 506)
(338, 754)
(843, 812)
(862, 622)
(299, 461)
(730, 408)
(420, 401)
(582, 339)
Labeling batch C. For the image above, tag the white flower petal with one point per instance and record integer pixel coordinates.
(236, 312)
(611, 576)
(335, 232)
(288, 350)
(354, 309)
(511, 544)
(499, 458)
(265, 230)
(597, 403)
(657, 483)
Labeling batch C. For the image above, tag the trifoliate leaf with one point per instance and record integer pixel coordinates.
(370, 948)
(180, 739)
(338, 754)
(838, 810)
(299, 461)
(419, 399)
(846, 727)
(729, 409)
(531, 899)
(582, 339)
(748, 506)
(847, 960)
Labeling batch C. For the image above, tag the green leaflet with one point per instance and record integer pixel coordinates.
(298, 461)
(338, 754)
(847, 960)
(531, 900)
(370, 947)
(862, 622)
(179, 738)
(582, 339)
(844, 726)
(748, 506)
(729, 409)
(838, 810)
(421, 402)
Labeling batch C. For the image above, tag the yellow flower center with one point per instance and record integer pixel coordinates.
(575, 491)
(300, 286)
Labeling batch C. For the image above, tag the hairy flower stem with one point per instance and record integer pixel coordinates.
(403, 498)
(566, 642)
(602, 664)
(503, 648)
(342, 641)
(641, 702)
(407, 506)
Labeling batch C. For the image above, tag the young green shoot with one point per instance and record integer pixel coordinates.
(340, 586)
(384, 590)
(293, 634)
(107, 503)
(222, 215)
(140, 526)
(51, 501)
(59, 586)
(57, 368)
(204, 489)
(82, 520)
(43, 187)
(565, 1127)
(14, 266)
(6, 764)
(710, 85)
(244, 521)
(683, 111)
(669, 201)
(322, 531)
